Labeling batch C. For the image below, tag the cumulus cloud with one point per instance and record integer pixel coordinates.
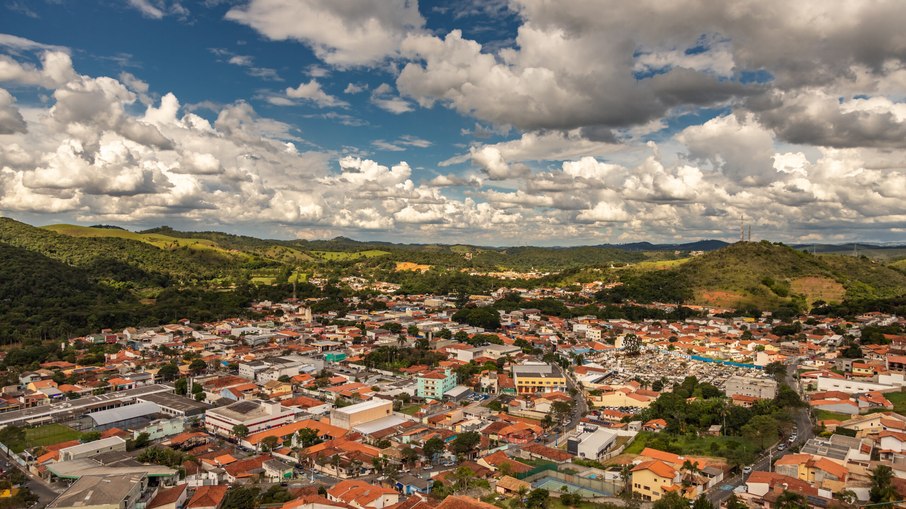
(11, 120)
(340, 32)
(313, 92)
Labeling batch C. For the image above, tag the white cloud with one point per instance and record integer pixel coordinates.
(355, 88)
(313, 92)
(340, 32)
(147, 9)
(11, 120)
(384, 98)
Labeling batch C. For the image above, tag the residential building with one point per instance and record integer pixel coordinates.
(653, 479)
(591, 442)
(538, 377)
(434, 384)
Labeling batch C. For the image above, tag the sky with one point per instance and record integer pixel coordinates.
(490, 122)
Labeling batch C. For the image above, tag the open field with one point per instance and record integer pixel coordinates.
(689, 444)
(818, 288)
(824, 415)
(155, 239)
(47, 434)
(409, 266)
(341, 256)
(658, 264)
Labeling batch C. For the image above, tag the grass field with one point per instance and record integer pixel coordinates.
(342, 256)
(658, 264)
(689, 444)
(818, 288)
(899, 401)
(155, 239)
(824, 415)
(47, 434)
(410, 410)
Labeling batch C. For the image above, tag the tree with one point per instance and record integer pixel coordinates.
(412, 330)
(240, 431)
(790, 500)
(547, 422)
(433, 447)
(762, 430)
(672, 500)
(702, 502)
(882, 489)
(240, 498)
(465, 443)
(90, 436)
(462, 479)
(537, 499)
(198, 366)
(777, 370)
(735, 503)
(182, 386)
(409, 456)
(561, 410)
(168, 372)
(269, 443)
(308, 437)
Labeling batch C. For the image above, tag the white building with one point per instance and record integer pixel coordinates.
(592, 442)
(254, 415)
(90, 449)
(761, 388)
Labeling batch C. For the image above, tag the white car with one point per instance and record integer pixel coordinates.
(746, 470)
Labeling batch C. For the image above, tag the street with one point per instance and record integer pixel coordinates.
(45, 493)
(805, 431)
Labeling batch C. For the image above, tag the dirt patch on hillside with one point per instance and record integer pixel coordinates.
(818, 288)
(718, 298)
(404, 266)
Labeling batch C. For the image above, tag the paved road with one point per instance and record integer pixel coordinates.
(41, 488)
(802, 418)
(580, 408)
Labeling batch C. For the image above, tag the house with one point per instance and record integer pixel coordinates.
(362, 495)
(408, 484)
(508, 486)
(169, 498)
(655, 425)
(208, 497)
(653, 479)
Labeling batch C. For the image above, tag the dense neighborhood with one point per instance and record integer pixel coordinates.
(405, 405)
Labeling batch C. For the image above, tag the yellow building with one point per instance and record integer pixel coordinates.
(653, 479)
(538, 377)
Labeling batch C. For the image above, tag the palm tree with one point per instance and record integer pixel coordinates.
(882, 489)
(691, 469)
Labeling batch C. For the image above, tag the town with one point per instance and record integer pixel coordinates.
(403, 402)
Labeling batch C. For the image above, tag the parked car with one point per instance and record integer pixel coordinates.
(746, 470)
(781, 447)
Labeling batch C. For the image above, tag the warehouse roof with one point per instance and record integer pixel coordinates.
(124, 413)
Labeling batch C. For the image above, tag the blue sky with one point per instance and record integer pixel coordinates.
(493, 122)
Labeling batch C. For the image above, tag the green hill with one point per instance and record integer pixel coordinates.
(767, 275)
(119, 259)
